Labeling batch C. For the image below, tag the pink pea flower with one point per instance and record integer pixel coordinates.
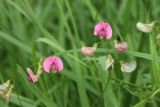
(121, 46)
(53, 63)
(32, 77)
(103, 30)
(89, 51)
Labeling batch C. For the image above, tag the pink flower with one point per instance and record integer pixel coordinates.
(121, 46)
(103, 30)
(32, 78)
(89, 51)
(53, 63)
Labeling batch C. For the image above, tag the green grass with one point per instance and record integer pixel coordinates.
(32, 29)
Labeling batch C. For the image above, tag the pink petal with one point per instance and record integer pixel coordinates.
(57, 64)
(30, 72)
(98, 28)
(103, 30)
(47, 64)
(89, 51)
(32, 78)
(53, 63)
(108, 30)
(121, 46)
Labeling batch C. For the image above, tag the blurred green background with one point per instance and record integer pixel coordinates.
(32, 29)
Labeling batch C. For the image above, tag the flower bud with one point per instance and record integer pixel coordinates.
(89, 51)
(109, 62)
(145, 27)
(128, 66)
(121, 46)
(32, 78)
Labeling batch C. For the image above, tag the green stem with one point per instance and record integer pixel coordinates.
(131, 84)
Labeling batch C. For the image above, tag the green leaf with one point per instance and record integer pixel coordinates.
(17, 43)
(35, 90)
(140, 104)
(3, 104)
(22, 101)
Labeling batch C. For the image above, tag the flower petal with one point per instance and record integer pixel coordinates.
(32, 78)
(145, 27)
(103, 30)
(57, 64)
(47, 64)
(128, 66)
(121, 46)
(89, 51)
(109, 62)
